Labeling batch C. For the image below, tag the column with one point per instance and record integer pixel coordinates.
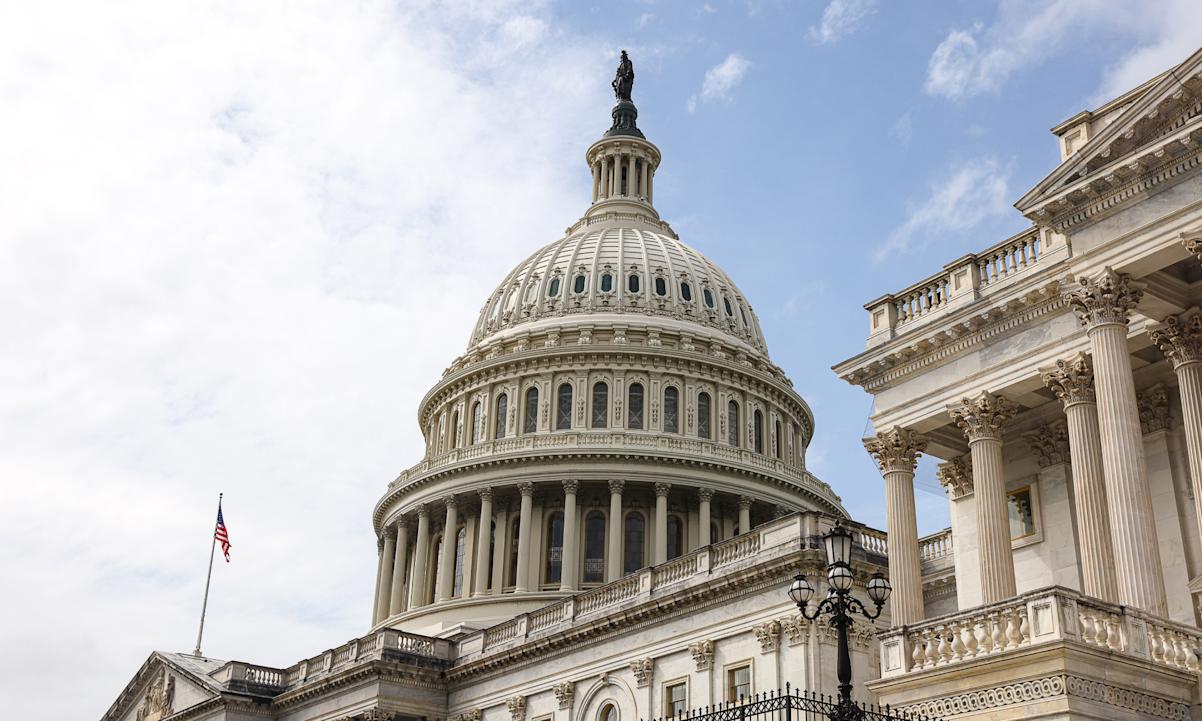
(745, 514)
(1072, 382)
(483, 543)
(375, 596)
(527, 491)
(650, 183)
(397, 602)
(498, 548)
(982, 419)
(1103, 305)
(569, 571)
(603, 185)
(421, 557)
(596, 181)
(632, 180)
(643, 178)
(611, 177)
(446, 566)
(613, 554)
(1181, 342)
(382, 601)
(704, 496)
(661, 523)
(896, 452)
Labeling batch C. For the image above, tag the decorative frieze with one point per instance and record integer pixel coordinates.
(982, 417)
(564, 693)
(796, 628)
(703, 654)
(1153, 403)
(517, 707)
(1071, 380)
(896, 449)
(1180, 340)
(768, 634)
(470, 715)
(1049, 443)
(642, 669)
(1107, 299)
(956, 477)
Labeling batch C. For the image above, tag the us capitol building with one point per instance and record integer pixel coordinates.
(614, 495)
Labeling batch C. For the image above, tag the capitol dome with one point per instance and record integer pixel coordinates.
(616, 408)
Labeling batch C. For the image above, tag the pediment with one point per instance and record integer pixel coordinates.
(166, 684)
(1151, 142)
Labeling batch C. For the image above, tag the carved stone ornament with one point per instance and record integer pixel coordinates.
(1153, 406)
(983, 417)
(1180, 340)
(642, 669)
(662, 489)
(1049, 443)
(705, 494)
(472, 715)
(159, 699)
(745, 502)
(956, 477)
(376, 714)
(1193, 244)
(517, 707)
(564, 693)
(616, 487)
(703, 654)
(896, 449)
(768, 634)
(796, 628)
(1108, 299)
(1071, 380)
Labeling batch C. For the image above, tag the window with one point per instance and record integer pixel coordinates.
(738, 682)
(676, 699)
(514, 535)
(600, 404)
(675, 537)
(486, 582)
(531, 290)
(757, 429)
(726, 304)
(732, 423)
(530, 423)
(477, 416)
(635, 406)
(609, 712)
(715, 532)
(553, 289)
(661, 287)
(554, 570)
(460, 547)
(686, 293)
(634, 531)
(703, 415)
(708, 296)
(502, 411)
(578, 284)
(1022, 513)
(594, 547)
(632, 283)
(671, 410)
(455, 430)
(563, 410)
(743, 315)
(779, 441)
(607, 283)
(432, 579)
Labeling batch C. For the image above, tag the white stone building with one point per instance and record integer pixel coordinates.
(614, 495)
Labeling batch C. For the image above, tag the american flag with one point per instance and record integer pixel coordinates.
(222, 535)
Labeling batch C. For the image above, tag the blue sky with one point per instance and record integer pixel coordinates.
(239, 241)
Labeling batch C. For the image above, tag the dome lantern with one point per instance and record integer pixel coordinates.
(623, 162)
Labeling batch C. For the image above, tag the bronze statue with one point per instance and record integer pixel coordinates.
(624, 78)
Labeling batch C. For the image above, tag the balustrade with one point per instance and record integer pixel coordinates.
(935, 546)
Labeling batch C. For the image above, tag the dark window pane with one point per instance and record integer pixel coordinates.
(594, 547)
(671, 410)
(726, 304)
(703, 415)
(531, 421)
(563, 411)
(661, 287)
(732, 423)
(758, 431)
(635, 406)
(632, 283)
(502, 411)
(553, 289)
(686, 292)
(578, 284)
(600, 405)
(635, 532)
(554, 568)
(607, 283)
(708, 296)
(780, 448)
(675, 537)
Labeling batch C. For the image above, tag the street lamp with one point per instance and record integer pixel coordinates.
(841, 605)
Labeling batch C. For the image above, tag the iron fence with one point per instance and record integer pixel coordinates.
(794, 705)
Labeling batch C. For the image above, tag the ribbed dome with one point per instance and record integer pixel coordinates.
(626, 272)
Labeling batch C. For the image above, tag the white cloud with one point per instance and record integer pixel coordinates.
(644, 20)
(969, 194)
(225, 229)
(841, 18)
(721, 80)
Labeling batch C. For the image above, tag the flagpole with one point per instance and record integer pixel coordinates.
(205, 605)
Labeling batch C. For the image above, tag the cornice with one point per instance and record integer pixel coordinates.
(417, 672)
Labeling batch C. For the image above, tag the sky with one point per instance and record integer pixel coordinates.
(240, 240)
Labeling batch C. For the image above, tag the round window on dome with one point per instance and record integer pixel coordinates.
(708, 296)
(632, 283)
(726, 303)
(607, 283)
(553, 289)
(661, 287)
(578, 284)
(743, 315)
(686, 293)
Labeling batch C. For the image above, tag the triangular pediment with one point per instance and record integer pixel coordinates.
(165, 685)
(1159, 129)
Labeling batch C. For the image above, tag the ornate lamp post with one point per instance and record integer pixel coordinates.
(841, 605)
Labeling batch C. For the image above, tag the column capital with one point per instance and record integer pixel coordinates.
(1180, 340)
(705, 494)
(662, 489)
(526, 488)
(1049, 443)
(450, 501)
(616, 487)
(956, 477)
(423, 510)
(570, 487)
(1071, 380)
(390, 532)
(1153, 404)
(896, 449)
(1105, 300)
(1192, 243)
(745, 501)
(486, 494)
(983, 417)
(402, 522)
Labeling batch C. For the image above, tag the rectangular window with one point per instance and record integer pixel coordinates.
(1022, 513)
(676, 698)
(738, 682)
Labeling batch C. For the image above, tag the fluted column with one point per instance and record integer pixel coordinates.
(631, 179)
(446, 565)
(745, 514)
(483, 543)
(569, 571)
(613, 555)
(1102, 306)
(643, 178)
(1181, 342)
(421, 559)
(981, 419)
(1072, 382)
(396, 602)
(661, 523)
(605, 177)
(375, 596)
(596, 181)
(704, 496)
(896, 452)
(382, 600)
(527, 491)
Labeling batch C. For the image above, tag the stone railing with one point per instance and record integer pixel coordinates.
(970, 278)
(874, 541)
(1052, 615)
(361, 650)
(935, 546)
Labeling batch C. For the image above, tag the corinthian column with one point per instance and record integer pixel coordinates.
(1181, 342)
(569, 574)
(446, 565)
(613, 554)
(745, 513)
(421, 559)
(661, 523)
(382, 600)
(981, 419)
(1072, 382)
(375, 596)
(1102, 306)
(527, 508)
(704, 497)
(483, 543)
(396, 603)
(896, 452)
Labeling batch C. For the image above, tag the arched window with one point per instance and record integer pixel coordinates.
(757, 430)
(686, 293)
(432, 575)
(563, 409)
(632, 283)
(553, 288)
(477, 415)
(675, 537)
(514, 535)
(661, 287)
(600, 404)
(554, 570)
(732, 423)
(634, 408)
(578, 284)
(780, 448)
(455, 430)
(708, 296)
(609, 712)
(530, 422)
(460, 548)
(594, 547)
(634, 530)
(671, 410)
(607, 283)
(703, 415)
(531, 290)
(502, 412)
(726, 304)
